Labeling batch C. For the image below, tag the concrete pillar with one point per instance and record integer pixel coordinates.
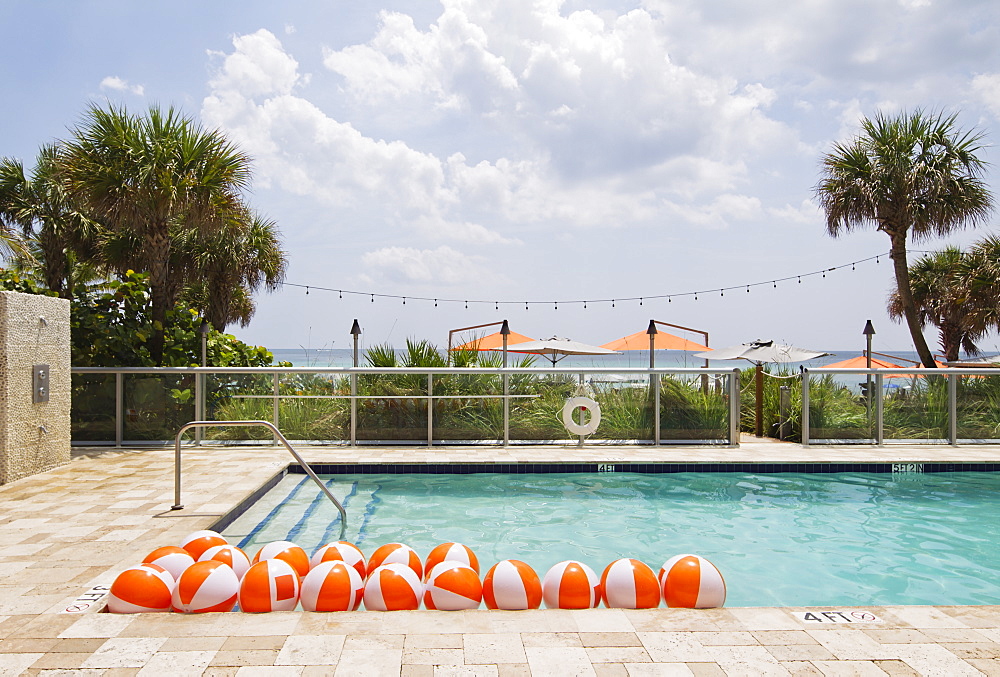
(34, 426)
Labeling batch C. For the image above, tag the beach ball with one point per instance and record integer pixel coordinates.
(230, 555)
(692, 582)
(454, 552)
(343, 551)
(396, 553)
(170, 557)
(393, 587)
(512, 585)
(287, 551)
(452, 586)
(143, 587)
(269, 585)
(630, 584)
(333, 585)
(199, 541)
(205, 586)
(571, 585)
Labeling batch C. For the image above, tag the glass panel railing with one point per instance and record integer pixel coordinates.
(392, 407)
(841, 408)
(536, 414)
(694, 408)
(156, 405)
(978, 408)
(917, 409)
(92, 412)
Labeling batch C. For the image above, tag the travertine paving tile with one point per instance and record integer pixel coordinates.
(590, 639)
(467, 670)
(674, 647)
(432, 641)
(849, 669)
(177, 663)
(124, 653)
(310, 650)
(564, 661)
(433, 656)
(618, 654)
(493, 648)
(934, 659)
(369, 662)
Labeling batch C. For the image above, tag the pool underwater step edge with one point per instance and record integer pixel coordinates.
(613, 467)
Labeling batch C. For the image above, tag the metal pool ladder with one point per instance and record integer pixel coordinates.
(277, 433)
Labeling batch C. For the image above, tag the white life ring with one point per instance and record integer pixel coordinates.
(572, 404)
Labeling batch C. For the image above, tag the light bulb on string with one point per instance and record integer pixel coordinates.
(466, 304)
(612, 303)
(640, 300)
(497, 303)
(341, 292)
(722, 292)
(584, 305)
(373, 298)
(404, 300)
(307, 290)
(556, 305)
(435, 303)
(800, 279)
(669, 300)
(748, 289)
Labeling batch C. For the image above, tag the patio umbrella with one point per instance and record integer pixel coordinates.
(758, 352)
(861, 362)
(661, 341)
(556, 348)
(493, 341)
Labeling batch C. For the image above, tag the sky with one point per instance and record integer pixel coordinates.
(504, 152)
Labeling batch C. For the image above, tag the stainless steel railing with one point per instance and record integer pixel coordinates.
(277, 433)
(727, 380)
(876, 401)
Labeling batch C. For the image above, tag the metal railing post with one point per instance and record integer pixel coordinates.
(275, 410)
(506, 410)
(430, 409)
(805, 407)
(734, 408)
(199, 405)
(656, 408)
(952, 409)
(119, 409)
(879, 411)
(354, 410)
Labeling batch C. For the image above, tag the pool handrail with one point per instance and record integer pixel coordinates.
(277, 433)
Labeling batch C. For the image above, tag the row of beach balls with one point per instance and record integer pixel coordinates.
(205, 573)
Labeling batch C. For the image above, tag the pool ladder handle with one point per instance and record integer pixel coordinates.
(277, 433)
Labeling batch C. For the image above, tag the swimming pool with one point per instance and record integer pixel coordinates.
(785, 539)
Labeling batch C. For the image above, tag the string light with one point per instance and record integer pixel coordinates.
(641, 299)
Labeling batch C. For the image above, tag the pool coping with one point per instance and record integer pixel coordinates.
(71, 528)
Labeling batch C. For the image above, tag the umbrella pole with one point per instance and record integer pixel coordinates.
(759, 389)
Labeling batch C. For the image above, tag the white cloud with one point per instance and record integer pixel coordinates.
(115, 83)
(442, 265)
(258, 67)
(986, 88)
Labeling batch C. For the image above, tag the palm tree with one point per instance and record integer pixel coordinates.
(60, 239)
(150, 177)
(12, 217)
(912, 174)
(227, 266)
(942, 292)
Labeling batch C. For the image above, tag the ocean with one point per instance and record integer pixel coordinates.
(340, 357)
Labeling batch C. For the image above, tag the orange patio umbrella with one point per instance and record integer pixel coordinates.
(493, 341)
(661, 341)
(861, 362)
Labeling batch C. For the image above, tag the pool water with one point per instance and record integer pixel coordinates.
(779, 540)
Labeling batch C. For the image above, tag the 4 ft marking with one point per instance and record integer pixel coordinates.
(605, 467)
(838, 617)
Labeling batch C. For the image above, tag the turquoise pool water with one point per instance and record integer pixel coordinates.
(780, 540)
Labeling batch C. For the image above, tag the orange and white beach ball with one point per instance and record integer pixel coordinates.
(571, 585)
(228, 554)
(143, 587)
(287, 551)
(205, 586)
(692, 582)
(454, 552)
(630, 584)
(342, 551)
(198, 542)
(269, 585)
(333, 585)
(452, 586)
(170, 557)
(512, 585)
(393, 587)
(396, 553)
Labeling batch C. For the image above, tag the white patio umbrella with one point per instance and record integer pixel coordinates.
(758, 352)
(556, 348)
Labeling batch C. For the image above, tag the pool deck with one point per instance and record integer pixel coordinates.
(77, 526)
